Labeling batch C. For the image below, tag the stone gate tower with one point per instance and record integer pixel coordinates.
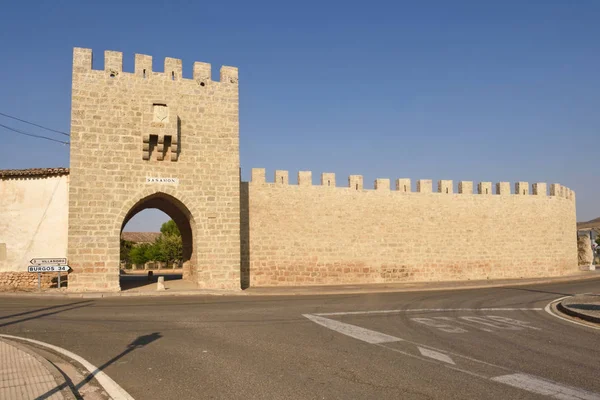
(153, 140)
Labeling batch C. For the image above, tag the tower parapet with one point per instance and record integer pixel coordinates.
(173, 68)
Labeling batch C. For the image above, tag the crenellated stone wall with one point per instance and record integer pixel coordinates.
(323, 234)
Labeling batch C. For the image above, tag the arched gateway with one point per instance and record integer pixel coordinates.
(180, 214)
(153, 140)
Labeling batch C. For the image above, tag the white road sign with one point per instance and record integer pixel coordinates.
(48, 268)
(49, 261)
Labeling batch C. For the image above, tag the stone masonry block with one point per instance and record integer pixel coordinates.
(281, 177)
(82, 59)
(445, 186)
(328, 179)
(202, 71)
(403, 185)
(143, 66)
(522, 188)
(173, 68)
(424, 186)
(382, 184)
(465, 187)
(540, 189)
(355, 182)
(229, 75)
(113, 62)
(304, 178)
(258, 175)
(484, 188)
(503, 188)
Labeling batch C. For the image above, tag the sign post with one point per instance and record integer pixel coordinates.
(40, 265)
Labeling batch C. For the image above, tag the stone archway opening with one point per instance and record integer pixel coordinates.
(181, 267)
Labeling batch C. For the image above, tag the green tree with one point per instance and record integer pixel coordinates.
(138, 254)
(170, 248)
(153, 252)
(170, 228)
(167, 248)
(126, 247)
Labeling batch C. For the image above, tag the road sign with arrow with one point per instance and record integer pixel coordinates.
(48, 268)
(40, 265)
(49, 261)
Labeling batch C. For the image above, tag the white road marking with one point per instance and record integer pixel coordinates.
(441, 326)
(548, 309)
(366, 335)
(115, 391)
(519, 380)
(485, 323)
(464, 323)
(545, 387)
(507, 320)
(436, 355)
(492, 324)
(425, 310)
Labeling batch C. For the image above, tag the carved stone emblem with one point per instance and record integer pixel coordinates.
(161, 113)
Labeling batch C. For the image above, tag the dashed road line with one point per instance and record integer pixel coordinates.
(518, 380)
(436, 355)
(366, 335)
(545, 387)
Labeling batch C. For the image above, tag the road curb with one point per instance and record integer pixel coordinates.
(552, 309)
(115, 391)
(566, 310)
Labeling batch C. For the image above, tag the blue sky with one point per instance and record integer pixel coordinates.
(462, 90)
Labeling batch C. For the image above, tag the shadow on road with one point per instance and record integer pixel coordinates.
(138, 343)
(589, 307)
(539, 291)
(42, 309)
(75, 305)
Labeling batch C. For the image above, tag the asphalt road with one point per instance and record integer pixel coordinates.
(481, 344)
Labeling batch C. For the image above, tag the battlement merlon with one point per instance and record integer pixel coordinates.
(173, 67)
(82, 60)
(424, 186)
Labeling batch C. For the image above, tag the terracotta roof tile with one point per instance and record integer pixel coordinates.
(8, 173)
(140, 237)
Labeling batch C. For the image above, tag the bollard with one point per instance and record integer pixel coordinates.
(150, 275)
(160, 284)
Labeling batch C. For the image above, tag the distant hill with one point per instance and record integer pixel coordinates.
(595, 224)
